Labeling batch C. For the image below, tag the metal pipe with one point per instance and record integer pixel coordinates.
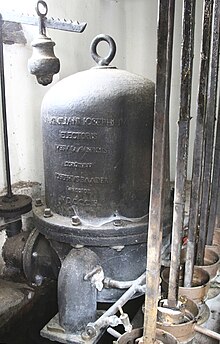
(4, 114)
(110, 283)
(182, 148)
(98, 324)
(207, 332)
(209, 137)
(198, 143)
(156, 211)
(113, 333)
(215, 185)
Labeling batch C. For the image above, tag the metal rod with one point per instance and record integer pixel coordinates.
(182, 148)
(215, 185)
(113, 333)
(50, 23)
(4, 115)
(198, 143)
(207, 332)
(209, 136)
(156, 211)
(167, 191)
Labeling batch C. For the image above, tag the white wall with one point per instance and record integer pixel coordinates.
(132, 23)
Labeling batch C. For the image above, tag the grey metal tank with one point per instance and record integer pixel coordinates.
(97, 134)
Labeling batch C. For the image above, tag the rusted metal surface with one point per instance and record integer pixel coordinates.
(211, 262)
(135, 337)
(182, 147)
(209, 136)
(161, 115)
(215, 187)
(200, 285)
(198, 143)
(184, 331)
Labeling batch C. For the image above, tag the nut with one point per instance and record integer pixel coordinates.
(47, 212)
(38, 202)
(76, 221)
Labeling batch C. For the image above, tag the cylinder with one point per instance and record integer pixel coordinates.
(97, 135)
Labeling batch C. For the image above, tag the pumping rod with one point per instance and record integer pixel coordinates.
(215, 185)
(209, 136)
(182, 148)
(198, 143)
(4, 115)
(161, 121)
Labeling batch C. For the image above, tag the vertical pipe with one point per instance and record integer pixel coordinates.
(182, 148)
(215, 185)
(166, 9)
(4, 115)
(198, 143)
(209, 136)
(167, 191)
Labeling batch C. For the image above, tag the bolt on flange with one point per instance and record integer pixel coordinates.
(76, 221)
(47, 212)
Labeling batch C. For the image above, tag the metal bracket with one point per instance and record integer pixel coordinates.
(50, 23)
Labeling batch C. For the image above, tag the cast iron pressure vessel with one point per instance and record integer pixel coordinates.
(97, 137)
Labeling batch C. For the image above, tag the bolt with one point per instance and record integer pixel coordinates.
(47, 212)
(34, 254)
(38, 202)
(38, 280)
(76, 221)
(117, 223)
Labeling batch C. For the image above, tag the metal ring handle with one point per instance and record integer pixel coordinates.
(103, 61)
(43, 3)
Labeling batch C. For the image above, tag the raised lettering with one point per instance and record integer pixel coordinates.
(81, 179)
(76, 164)
(80, 149)
(77, 135)
(85, 121)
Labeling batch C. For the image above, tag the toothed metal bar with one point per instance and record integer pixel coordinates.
(50, 23)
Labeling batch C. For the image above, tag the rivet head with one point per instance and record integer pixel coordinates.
(47, 212)
(76, 221)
